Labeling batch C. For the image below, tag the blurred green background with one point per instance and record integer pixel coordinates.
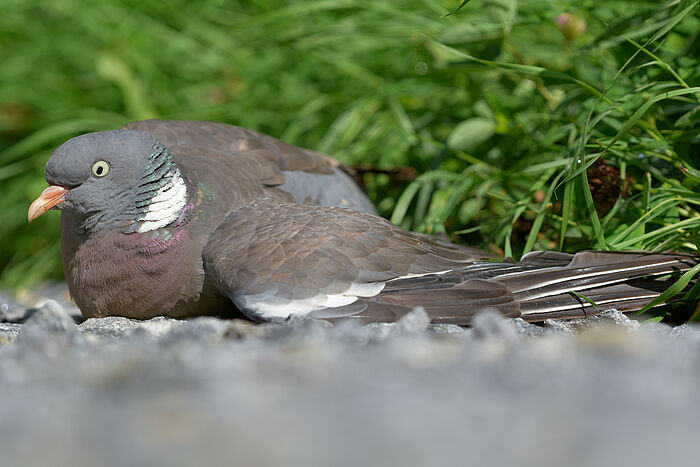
(533, 125)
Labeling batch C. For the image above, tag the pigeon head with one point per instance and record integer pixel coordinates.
(114, 180)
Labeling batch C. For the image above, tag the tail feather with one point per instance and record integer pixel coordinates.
(544, 285)
(591, 269)
(624, 281)
(630, 296)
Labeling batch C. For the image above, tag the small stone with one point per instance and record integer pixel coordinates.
(560, 326)
(441, 328)
(112, 326)
(490, 324)
(50, 327)
(414, 322)
(381, 330)
(11, 312)
(9, 332)
(682, 331)
(621, 319)
(524, 328)
(687, 331)
(117, 326)
(159, 326)
(50, 317)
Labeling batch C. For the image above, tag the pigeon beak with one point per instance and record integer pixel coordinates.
(49, 198)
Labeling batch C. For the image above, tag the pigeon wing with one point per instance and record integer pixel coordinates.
(276, 260)
(310, 177)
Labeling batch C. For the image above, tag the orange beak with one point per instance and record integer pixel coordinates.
(48, 198)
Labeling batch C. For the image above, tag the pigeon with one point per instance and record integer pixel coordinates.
(185, 218)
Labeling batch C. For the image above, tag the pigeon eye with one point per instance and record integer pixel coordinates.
(100, 169)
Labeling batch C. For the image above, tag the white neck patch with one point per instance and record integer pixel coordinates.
(166, 205)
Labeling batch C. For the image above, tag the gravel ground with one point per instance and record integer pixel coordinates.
(112, 392)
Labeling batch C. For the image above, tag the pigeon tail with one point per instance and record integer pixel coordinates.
(543, 285)
(593, 282)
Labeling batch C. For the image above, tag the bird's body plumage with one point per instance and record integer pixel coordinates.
(161, 272)
(202, 218)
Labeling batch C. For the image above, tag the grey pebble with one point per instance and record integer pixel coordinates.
(491, 324)
(9, 332)
(48, 322)
(12, 311)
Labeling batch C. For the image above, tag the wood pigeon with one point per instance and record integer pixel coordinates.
(184, 218)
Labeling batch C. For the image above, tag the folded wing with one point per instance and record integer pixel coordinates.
(310, 177)
(277, 260)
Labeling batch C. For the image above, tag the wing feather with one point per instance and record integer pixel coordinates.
(275, 259)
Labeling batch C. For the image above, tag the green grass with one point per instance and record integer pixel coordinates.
(506, 116)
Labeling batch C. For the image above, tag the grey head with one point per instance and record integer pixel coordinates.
(114, 180)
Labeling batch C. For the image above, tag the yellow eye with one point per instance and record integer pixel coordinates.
(100, 169)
